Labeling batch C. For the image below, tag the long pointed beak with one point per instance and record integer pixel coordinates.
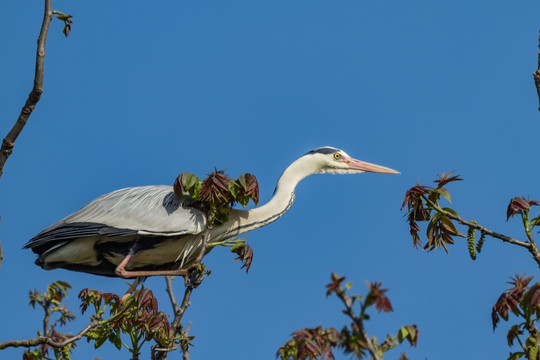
(368, 167)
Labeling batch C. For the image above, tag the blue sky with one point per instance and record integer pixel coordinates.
(139, 93)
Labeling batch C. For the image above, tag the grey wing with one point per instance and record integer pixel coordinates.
(147, 210)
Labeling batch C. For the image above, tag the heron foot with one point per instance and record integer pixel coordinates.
(121, 271)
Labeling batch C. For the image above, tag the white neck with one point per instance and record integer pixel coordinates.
(241, 221)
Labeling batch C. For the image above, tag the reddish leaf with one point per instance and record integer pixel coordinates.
(250, 185)
(377, 295)
(312, 343)
(520, 284)
(215, 190)
(519, 205)
(245, 254)
(335, 285)
(534, 294)
(413, 195)
(446, 178)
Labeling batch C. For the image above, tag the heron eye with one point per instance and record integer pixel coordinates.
(337, 156)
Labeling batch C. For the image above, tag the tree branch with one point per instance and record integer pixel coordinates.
(487, 231)
(9, 141)
(170, 291)
(531, 245)
(536, 74)
(358, 321)
(49, 341)
(192, 280)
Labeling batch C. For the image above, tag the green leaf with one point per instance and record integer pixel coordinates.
(189, 181)
(433, 198)
(234, 189)
(220, 216)
(444, 193)
(516, 355)
(242, 181)
(450, 210)
(402, 334)
(115, 339)
(448, 225)
(534, 222)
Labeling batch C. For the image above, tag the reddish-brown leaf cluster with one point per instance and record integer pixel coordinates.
(335, 285)
(415, 210)
(512, 299)
(419, 201)
(446, 178)
(311, 343)
(245, 255)
(248, 189)
(215, 190)
(318, 343)
(377, 296)
(524, 302)
(519, 205)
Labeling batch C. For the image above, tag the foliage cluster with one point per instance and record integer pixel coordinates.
(318, 343)
(423, 204)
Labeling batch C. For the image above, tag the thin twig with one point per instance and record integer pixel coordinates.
(47, 340)
(9, 141)
(536, 74)
(170, 291)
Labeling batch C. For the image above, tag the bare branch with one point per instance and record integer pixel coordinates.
(49, 341)
(9, 141)
(536, 74)
(170, 291)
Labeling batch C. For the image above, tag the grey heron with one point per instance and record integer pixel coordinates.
(160, 232)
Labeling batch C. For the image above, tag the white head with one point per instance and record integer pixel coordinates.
(335, 161)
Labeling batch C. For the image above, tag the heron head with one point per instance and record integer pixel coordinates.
(335, 161)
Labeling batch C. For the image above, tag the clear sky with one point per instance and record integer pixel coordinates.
(142, 90)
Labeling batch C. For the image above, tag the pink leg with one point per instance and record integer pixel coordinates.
(126, 274)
